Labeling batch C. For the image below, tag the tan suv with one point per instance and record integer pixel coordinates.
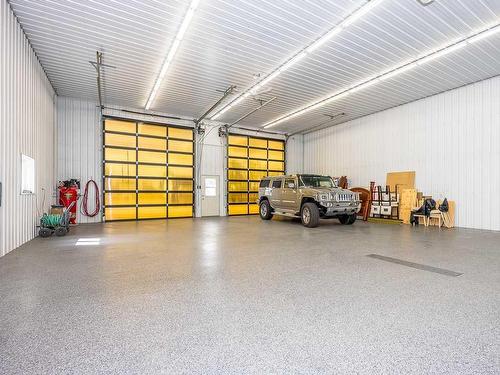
(309, 197)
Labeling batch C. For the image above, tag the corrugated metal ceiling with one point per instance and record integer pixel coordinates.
(231, 41)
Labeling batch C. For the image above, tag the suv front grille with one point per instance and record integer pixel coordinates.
(343, 197)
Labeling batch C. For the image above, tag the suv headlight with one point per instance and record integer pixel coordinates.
(323, 197)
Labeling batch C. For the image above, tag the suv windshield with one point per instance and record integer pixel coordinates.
(316, 181)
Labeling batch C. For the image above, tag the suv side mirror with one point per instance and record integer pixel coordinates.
(291, 185)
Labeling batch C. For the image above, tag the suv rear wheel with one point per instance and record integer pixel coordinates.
(347, 219)
(309, 215)
(265, 210)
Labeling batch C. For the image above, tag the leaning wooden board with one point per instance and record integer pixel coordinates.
(401, 180)
(407, 201)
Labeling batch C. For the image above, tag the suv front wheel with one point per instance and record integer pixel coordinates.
(347, 219)
(309, 215)
(265, 210)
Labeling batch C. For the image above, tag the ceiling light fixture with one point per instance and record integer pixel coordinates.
(172, 51)
(353, 17)
(391, 73)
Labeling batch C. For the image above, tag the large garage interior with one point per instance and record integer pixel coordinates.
(239, 187)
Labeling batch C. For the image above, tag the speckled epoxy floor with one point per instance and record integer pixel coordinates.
(238, 295)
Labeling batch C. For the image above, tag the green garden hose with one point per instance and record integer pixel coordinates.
(51, 220)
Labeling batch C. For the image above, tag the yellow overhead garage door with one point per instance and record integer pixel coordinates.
(148, 171)
(249, 160)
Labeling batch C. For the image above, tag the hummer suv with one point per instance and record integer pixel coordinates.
(309, 197)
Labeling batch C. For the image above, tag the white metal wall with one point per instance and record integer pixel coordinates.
(26, 126)
(295, 154)
(451, 140)
(79, 146)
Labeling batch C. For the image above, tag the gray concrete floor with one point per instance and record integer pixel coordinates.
(239, 295)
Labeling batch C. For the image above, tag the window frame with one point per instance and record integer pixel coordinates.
(264, 183)
(280, 180)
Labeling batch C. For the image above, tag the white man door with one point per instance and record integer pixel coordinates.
(210, 197)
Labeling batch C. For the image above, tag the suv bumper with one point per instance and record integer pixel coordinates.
(334, 209)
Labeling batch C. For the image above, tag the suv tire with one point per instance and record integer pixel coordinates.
(309, 215)
(347, 219)
(265, 210)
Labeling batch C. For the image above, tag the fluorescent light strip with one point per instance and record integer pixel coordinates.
(172, 51)
(303, 53)
(390, 73)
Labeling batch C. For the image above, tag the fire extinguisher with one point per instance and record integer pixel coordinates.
(68, 193)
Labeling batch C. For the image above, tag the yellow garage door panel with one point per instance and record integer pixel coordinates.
(234, 174)
(253, 186)
(257, 142)
(180, 211)
(276, 145)
(152, 171)
(156, 130)
(120, 126)
(253, 209)
(276, 166)
(152, 157)
(237, 163)
(119, 154)
(159, 212)
(150, 184)
(257, 175)
(237, 186)
(275, 173)
(152, 143)
(120, 140)
(114, 169)
(180, 159)
(119, 199)
(239, 152)
(152, 198)
(119, 183)
(237, 140)
(180, 185)
(180, 146)
(237, 198)
(180, 133)
(180, 198)
(276, 155)
(120, 213)
(238, 209)
(257, 153)
(258, 164)
(180, 172)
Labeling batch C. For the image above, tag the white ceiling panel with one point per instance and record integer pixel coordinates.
(232, 42)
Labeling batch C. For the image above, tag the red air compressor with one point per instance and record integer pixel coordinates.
(68, 193)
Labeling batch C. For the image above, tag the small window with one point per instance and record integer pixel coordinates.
(290, 183)
(210, 187)
(264, 183)
(276, 184)
(27, 175)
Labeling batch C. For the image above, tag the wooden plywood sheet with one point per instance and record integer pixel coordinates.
(408, 200)
(401, 180)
